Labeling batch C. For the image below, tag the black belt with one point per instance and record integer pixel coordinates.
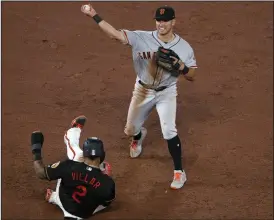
(161, 88)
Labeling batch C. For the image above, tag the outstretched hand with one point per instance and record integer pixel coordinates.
(88, 10)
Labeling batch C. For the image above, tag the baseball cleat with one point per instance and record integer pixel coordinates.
(48, 194)
(136, 145)
(79, 122)
(179, 179)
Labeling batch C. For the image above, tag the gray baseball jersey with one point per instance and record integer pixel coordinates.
(144, 46)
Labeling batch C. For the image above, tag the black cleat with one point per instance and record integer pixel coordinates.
(79, 122)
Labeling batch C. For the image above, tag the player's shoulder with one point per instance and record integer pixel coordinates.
(58, 163)
(71, 163)
(144, 32)
(60, 166)
(107, 179)
(184, 43)
(140, 32)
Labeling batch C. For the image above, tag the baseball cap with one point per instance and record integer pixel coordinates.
(164, 13)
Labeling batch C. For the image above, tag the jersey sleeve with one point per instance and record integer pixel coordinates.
(131, 37)
(191, 60)
(56, 170)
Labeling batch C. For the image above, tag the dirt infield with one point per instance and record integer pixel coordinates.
(57, 64)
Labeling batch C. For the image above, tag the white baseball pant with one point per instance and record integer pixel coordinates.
(142, 103)
(71, 139)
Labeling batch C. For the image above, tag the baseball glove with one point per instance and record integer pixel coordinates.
(164, 59)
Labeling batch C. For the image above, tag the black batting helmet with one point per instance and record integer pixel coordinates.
(93, 147)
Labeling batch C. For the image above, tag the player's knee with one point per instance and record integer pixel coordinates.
(169, 135)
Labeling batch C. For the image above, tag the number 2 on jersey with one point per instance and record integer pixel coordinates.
(81, 193)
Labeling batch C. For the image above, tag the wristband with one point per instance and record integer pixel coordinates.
(37, 156)
(97, 18)
(185, 70)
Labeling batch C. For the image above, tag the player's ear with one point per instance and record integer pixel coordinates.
(173, 22)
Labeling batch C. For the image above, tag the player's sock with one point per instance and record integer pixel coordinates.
(175, 150)
(138, 136)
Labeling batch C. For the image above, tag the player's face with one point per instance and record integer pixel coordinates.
(165, 27)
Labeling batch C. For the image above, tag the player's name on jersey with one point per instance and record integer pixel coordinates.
(146, 55)
(77, 176)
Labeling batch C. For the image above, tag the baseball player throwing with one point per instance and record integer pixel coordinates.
(159, 58)
(82, 188)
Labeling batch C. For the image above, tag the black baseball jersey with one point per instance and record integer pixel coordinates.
(83, 188)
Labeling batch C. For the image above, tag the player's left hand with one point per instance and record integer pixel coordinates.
(37, 140)
(175, 60)
(167, 59)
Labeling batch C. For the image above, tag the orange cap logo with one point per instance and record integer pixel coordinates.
(162, 11)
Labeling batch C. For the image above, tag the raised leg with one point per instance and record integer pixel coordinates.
(71, 139)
